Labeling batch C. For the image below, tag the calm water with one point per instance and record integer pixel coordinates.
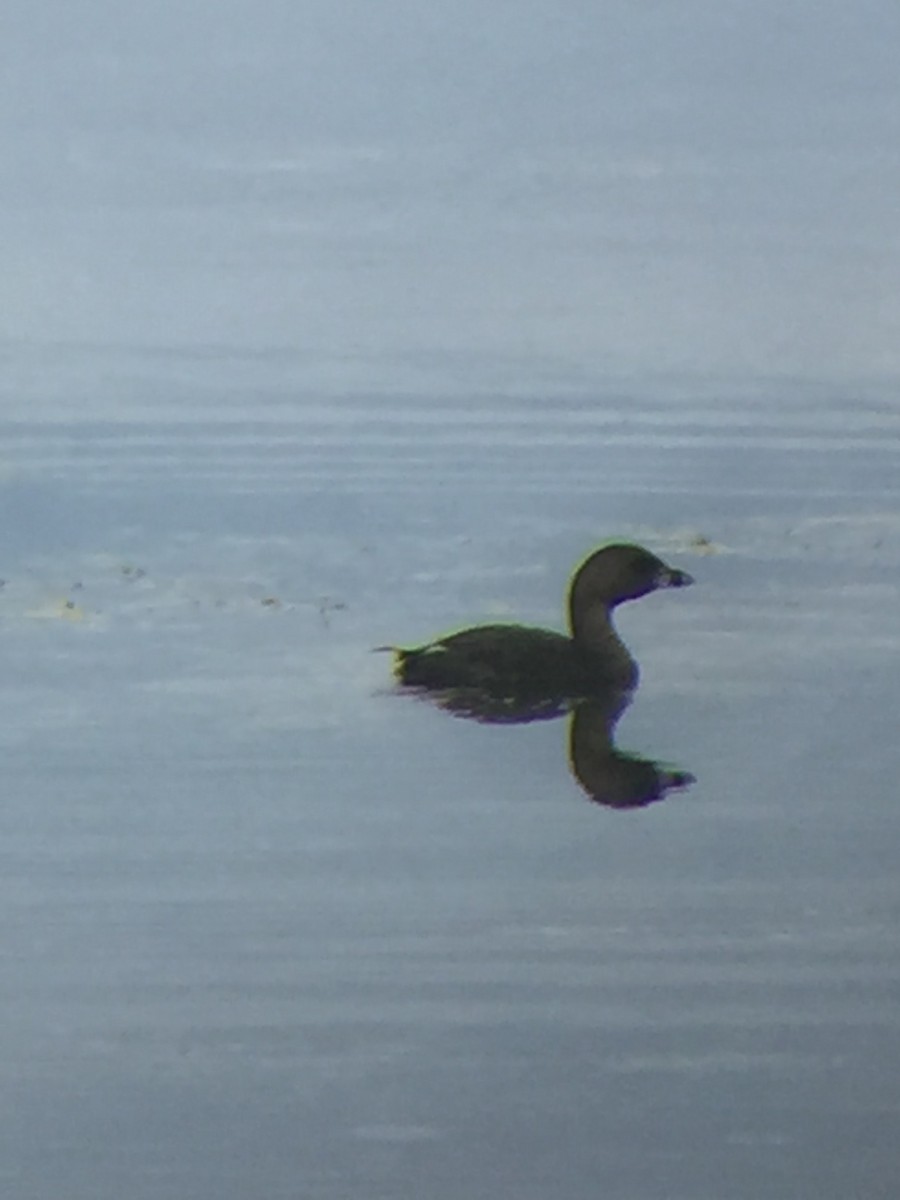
(328, 326)
(271, 929)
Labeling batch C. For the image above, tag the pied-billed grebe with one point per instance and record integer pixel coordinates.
(520, 664)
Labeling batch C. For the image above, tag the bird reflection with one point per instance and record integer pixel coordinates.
(513, 674)
(608, 776)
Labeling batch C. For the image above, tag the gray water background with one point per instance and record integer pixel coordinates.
(323, 330)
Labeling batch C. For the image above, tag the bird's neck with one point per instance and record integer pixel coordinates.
(593, 630)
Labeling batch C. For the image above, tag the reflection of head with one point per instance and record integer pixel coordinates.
(607, 775)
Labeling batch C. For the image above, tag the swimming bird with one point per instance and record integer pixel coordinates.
(517, 672)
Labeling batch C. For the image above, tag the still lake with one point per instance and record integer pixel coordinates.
(271, 929)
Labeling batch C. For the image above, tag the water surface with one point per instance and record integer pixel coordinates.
(330, 326)
(272, 927)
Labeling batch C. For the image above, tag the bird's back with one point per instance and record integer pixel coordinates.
(504, 661)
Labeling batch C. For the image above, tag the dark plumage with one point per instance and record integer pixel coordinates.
(516, 669)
